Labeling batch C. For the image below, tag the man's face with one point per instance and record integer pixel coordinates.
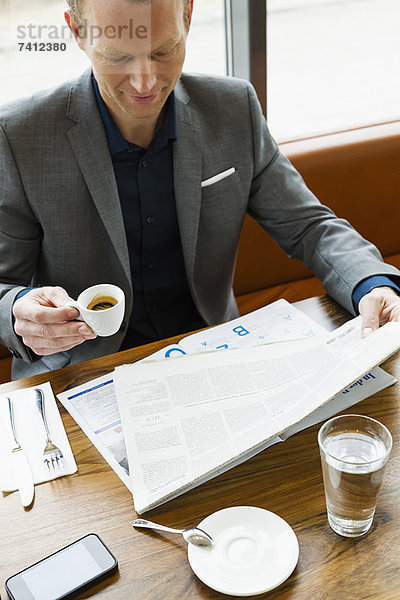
(137, 52)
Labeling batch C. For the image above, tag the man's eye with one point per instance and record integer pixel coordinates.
(165, 52)
(119, 60)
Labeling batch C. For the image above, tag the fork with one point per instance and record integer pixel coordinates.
(52, 455)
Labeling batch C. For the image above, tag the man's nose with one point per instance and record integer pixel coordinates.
(143, 78)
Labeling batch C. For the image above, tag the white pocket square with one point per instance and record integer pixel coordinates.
(218, 177)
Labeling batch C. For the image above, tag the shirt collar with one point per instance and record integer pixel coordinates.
(117, 142)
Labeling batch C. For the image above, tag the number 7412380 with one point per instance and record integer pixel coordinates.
(42, 46)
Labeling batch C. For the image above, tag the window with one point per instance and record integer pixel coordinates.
(206, 48)
(332, 65)
(25, 71)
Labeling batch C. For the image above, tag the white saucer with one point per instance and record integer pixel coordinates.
(254, 551)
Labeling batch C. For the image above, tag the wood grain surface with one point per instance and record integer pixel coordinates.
(285, 479)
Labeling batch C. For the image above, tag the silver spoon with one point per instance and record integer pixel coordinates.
(192, 535)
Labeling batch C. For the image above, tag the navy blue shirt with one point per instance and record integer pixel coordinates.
(369, 284)
(162, 303)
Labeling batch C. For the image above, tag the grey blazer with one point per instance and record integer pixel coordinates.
(61, 221)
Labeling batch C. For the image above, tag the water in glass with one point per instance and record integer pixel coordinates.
(353, 464)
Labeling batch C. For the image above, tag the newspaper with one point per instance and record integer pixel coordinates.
(187, 420)
(277, 322)
(94, 407)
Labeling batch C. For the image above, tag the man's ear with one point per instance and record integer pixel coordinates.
(190, 12)
(73, 27)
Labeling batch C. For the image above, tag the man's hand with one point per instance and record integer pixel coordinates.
(46, 325)
(380, 305)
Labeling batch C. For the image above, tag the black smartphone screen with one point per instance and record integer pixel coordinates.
(65, 572)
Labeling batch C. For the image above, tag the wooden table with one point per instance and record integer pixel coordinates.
(285, 479)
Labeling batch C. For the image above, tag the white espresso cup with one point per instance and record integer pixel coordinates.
(102, 307)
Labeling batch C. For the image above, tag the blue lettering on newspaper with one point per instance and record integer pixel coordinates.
(171, 350)
(240, 330)
(359, 382)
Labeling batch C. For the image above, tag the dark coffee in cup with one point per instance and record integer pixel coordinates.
(100, 302)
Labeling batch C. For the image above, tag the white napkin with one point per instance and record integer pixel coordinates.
(31, 435)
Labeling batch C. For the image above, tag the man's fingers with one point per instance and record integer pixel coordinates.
(380, 305)
(31, 311)
(50, 345)
(56, 296)
(45, 305)
(370, 309)
(28, 329)
(47, 324)
(44, 345)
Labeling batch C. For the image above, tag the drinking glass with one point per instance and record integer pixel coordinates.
(354, 451)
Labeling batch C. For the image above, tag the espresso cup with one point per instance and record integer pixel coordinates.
(102, 307)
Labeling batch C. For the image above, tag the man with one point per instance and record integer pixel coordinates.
(110, 178)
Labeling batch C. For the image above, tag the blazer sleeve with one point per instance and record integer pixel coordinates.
(20, 238)
(304, 228)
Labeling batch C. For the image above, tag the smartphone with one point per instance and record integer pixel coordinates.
(65, 573)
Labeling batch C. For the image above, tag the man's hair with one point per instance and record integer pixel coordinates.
(76, 7)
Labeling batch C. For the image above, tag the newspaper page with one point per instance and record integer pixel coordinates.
(94, 407)
(277, 322)
(185, 421)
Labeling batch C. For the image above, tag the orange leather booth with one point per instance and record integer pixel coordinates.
(5, 364)
(357, 174)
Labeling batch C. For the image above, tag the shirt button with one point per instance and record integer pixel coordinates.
(154, 310)
(150, 220)
(144, 164)
(15, 353)
(149, 264)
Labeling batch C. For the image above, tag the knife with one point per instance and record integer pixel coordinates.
(21, 468)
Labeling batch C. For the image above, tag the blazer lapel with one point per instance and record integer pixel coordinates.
(187, 177)
(89, 145)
